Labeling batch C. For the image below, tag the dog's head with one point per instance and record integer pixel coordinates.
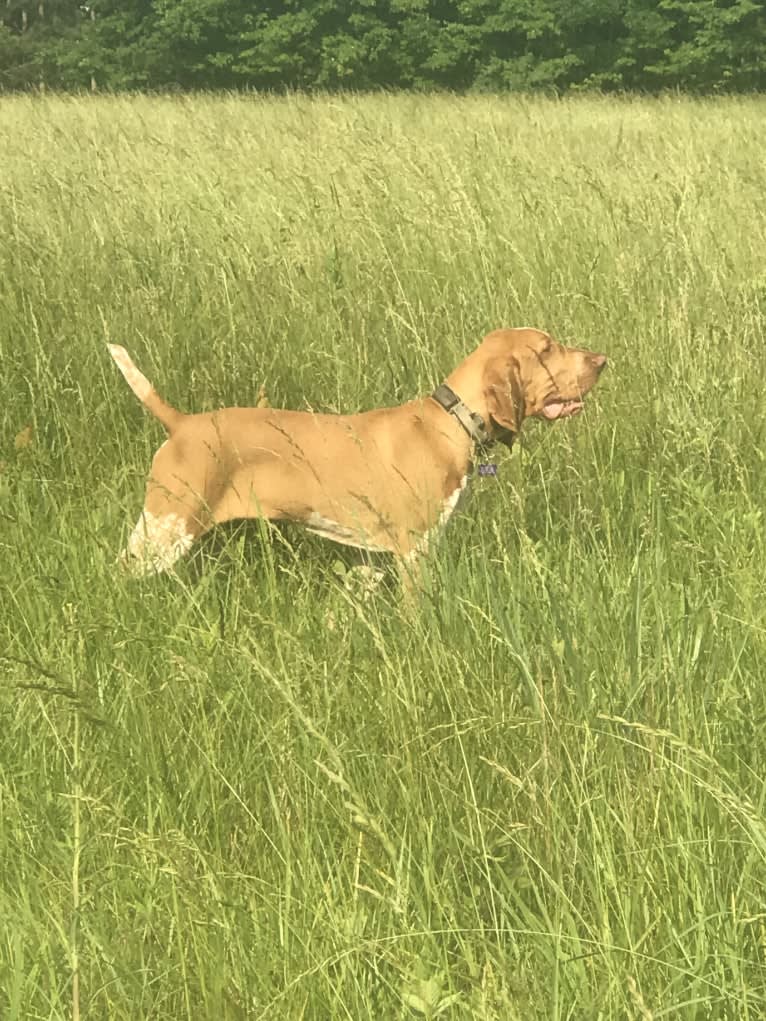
(527, 373)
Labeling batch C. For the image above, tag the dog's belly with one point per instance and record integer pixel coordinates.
(342, 534)
(418, 540)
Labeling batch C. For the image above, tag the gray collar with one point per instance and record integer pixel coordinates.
(472, 422)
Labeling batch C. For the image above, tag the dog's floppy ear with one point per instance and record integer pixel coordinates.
(505, 395)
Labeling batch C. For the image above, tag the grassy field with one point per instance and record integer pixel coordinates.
(241, 793)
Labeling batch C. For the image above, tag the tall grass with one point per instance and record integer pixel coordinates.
(242, 793)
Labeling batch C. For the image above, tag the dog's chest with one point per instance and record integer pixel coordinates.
(449, 506)
(452, 503)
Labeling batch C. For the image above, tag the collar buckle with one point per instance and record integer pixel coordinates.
(471, 421)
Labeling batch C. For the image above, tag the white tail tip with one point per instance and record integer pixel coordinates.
(136, 380)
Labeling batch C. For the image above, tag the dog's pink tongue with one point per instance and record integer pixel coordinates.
(561, 409)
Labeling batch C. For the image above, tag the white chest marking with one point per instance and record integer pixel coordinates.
(449, 507)
(452, 503)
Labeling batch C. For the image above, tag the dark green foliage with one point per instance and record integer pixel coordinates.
(700, 45)
(714, 44)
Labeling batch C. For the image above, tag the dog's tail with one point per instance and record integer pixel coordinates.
(144, 390)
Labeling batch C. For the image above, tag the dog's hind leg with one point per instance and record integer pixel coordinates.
(174, 516)
(157, 542)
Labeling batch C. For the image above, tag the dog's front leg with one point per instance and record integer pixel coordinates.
(411, 576)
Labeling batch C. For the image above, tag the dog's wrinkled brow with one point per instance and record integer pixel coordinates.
(539, 356)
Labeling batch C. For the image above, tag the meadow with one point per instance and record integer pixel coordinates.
(241, 791)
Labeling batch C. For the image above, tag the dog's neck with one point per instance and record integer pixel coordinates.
(482, 433)
(467, 382)
(472, 423)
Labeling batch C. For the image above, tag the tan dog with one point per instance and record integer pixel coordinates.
(385, 480)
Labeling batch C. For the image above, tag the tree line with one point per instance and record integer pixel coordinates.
(493, 45)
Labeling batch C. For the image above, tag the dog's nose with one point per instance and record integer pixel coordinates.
(599, 361)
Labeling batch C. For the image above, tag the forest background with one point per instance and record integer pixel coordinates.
(464, 45)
